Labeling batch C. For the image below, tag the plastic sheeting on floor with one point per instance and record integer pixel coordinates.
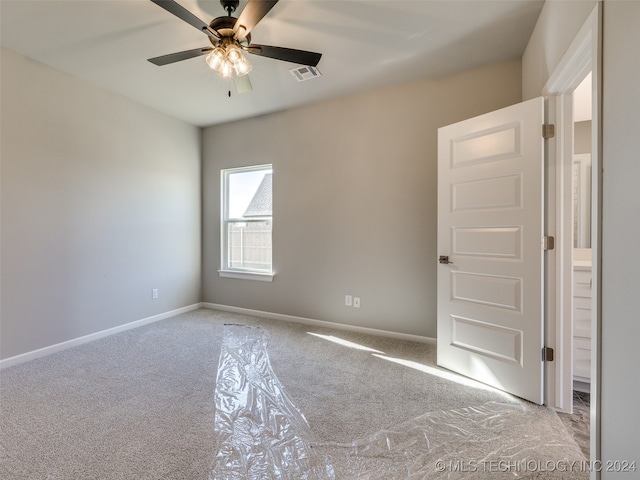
(494, 440)
(262, 435)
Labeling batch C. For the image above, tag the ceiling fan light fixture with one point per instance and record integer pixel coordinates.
(227, 60)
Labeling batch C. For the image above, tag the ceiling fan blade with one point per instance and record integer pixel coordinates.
(184, 14)
(253, 12)
(179, 56)
(287, 54)
(243, 83)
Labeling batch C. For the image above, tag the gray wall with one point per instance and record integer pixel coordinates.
(354, 199)
(620, 356)
(621, 235)
(100, 201)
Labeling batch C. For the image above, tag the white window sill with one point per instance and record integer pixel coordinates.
(262, 277)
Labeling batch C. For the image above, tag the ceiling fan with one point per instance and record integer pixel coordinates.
(229, 37)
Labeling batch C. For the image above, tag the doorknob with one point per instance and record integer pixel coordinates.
(444, 259)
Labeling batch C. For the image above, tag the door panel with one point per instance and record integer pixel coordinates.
(493, 193)
(489, 290)
(494, 242)
(490, 224)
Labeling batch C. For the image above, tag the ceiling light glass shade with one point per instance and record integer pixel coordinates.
(234, 55)
(242, 67)
(226, 69)
(215, 58)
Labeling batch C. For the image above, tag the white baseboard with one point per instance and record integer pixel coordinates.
(58, 347)
(41, 352)
(584, 387)
(320, 323)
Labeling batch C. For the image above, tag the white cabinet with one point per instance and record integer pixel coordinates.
(581, 324)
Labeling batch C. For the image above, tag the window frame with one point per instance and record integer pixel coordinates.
(225, 270)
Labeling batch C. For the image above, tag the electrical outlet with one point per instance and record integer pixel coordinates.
(356, 302)
(154, 293)
(348, 300)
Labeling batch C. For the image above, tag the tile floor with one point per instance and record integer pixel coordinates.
(578, 423)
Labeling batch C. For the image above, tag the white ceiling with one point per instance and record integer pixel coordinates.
(366, 44)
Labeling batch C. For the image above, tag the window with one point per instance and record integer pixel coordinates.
(246, 222)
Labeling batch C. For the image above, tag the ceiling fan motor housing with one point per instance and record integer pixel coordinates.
(224, 27)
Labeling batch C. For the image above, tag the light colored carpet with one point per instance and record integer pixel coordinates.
(140, 405)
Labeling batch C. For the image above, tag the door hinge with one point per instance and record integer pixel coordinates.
(547, 354)
(548, 130)
(548, 242)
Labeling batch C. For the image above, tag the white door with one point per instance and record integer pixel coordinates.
(490, 225)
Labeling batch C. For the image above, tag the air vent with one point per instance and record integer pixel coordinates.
(302, 74)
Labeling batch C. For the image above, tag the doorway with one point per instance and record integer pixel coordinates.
(581, 59)
(576, 412)
(581, 235)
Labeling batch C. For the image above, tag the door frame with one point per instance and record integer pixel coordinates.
(583, 56)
